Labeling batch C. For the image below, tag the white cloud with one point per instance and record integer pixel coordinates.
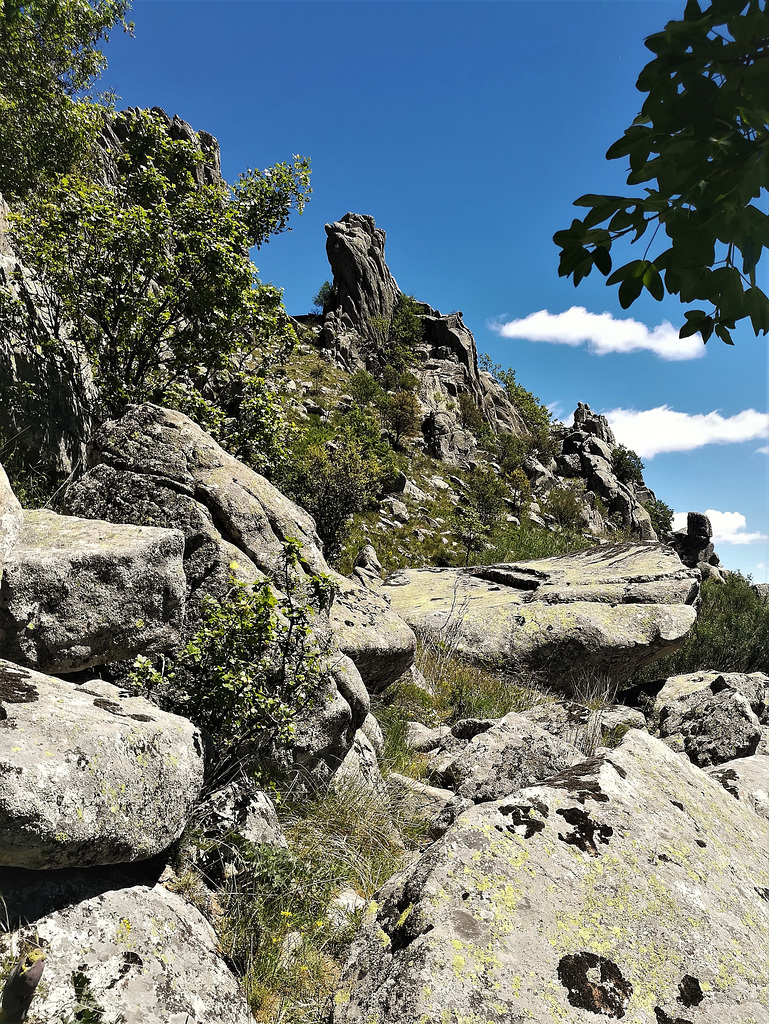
(728, 528)
(763, 451)
(651, 431)
(602, 334)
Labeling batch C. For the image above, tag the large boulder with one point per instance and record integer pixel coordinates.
(77, 593)
(156, 467)
(629, 887)
(11, 517)
(713, 717)
(89, 775)
(131, 952)
(746, 779)
(609, 609)
(512, 754)
(46, 384)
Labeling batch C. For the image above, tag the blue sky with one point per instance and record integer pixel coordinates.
(467, 128)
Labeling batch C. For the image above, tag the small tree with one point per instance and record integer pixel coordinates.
(660, 514)
(626, 465)
(325, 299)
(401, 415)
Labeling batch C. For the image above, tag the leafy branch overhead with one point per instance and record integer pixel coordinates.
(701, 140)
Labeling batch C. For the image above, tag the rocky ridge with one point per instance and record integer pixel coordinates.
(565, 879)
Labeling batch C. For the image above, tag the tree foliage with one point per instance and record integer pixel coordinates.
(701, 142)
(49, 55)
(254, 660)
(627, 465)
(151, 276)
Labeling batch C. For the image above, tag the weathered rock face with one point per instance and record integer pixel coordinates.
(612, 608)
(694, 544)
(115, 134)
(364, 286)
(46, 391)
(713, 717)
(629, 887)
(446, 361)
(586, 453)
(512, 754)
(89, 775)
(156, 467)
(145, 955)
(77, 593)
(10, 519)
(746, 779)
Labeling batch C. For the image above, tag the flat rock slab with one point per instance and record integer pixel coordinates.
(89, 776)
(77, 593)
(630, 887)
(612, 608)
(145, 955)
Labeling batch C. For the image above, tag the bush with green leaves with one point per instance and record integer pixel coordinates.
(480, 510)
(627, 465)
(564, 505)
(535, 415)
(401, 414)
(252, 664)
(661, 515)
(49, 56)
(151, 277)
(731, 633)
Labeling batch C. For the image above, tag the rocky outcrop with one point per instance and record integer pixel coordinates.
(695, 545)
(77, 593)
(365, 289)
(116, 132)
(630, 887)
(46, 385)
(88, 774)
(156, 467)
(586, 452)
(446, 361)
(713, 717)
(11, 517)
(121, 950)
(611, 608)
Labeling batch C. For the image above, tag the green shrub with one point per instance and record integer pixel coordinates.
(563, 504)
(363, 388)
(513, 450)
(660, 514)
(401, 414)
(731, 633)
(253, 663)
(528, 541)
(626, 465)
(535, 415)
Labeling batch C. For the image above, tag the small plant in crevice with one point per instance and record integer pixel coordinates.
(255, 660)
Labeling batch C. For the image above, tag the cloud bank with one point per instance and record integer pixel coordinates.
(728, 527)
(651, 431)
(602, 334)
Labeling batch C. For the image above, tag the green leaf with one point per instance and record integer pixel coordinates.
(629, 291)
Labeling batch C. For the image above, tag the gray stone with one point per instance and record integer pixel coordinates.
(422, 739)
(87, 779)
(11, 518)
(714, 716)
(417, 799)
(360, 770)
(46, 382)
(630, 887)
(155, 466)
(146, 955)
(611, 608)
(593, 423)
(77, 593)
(746, 779)
(512, 754)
